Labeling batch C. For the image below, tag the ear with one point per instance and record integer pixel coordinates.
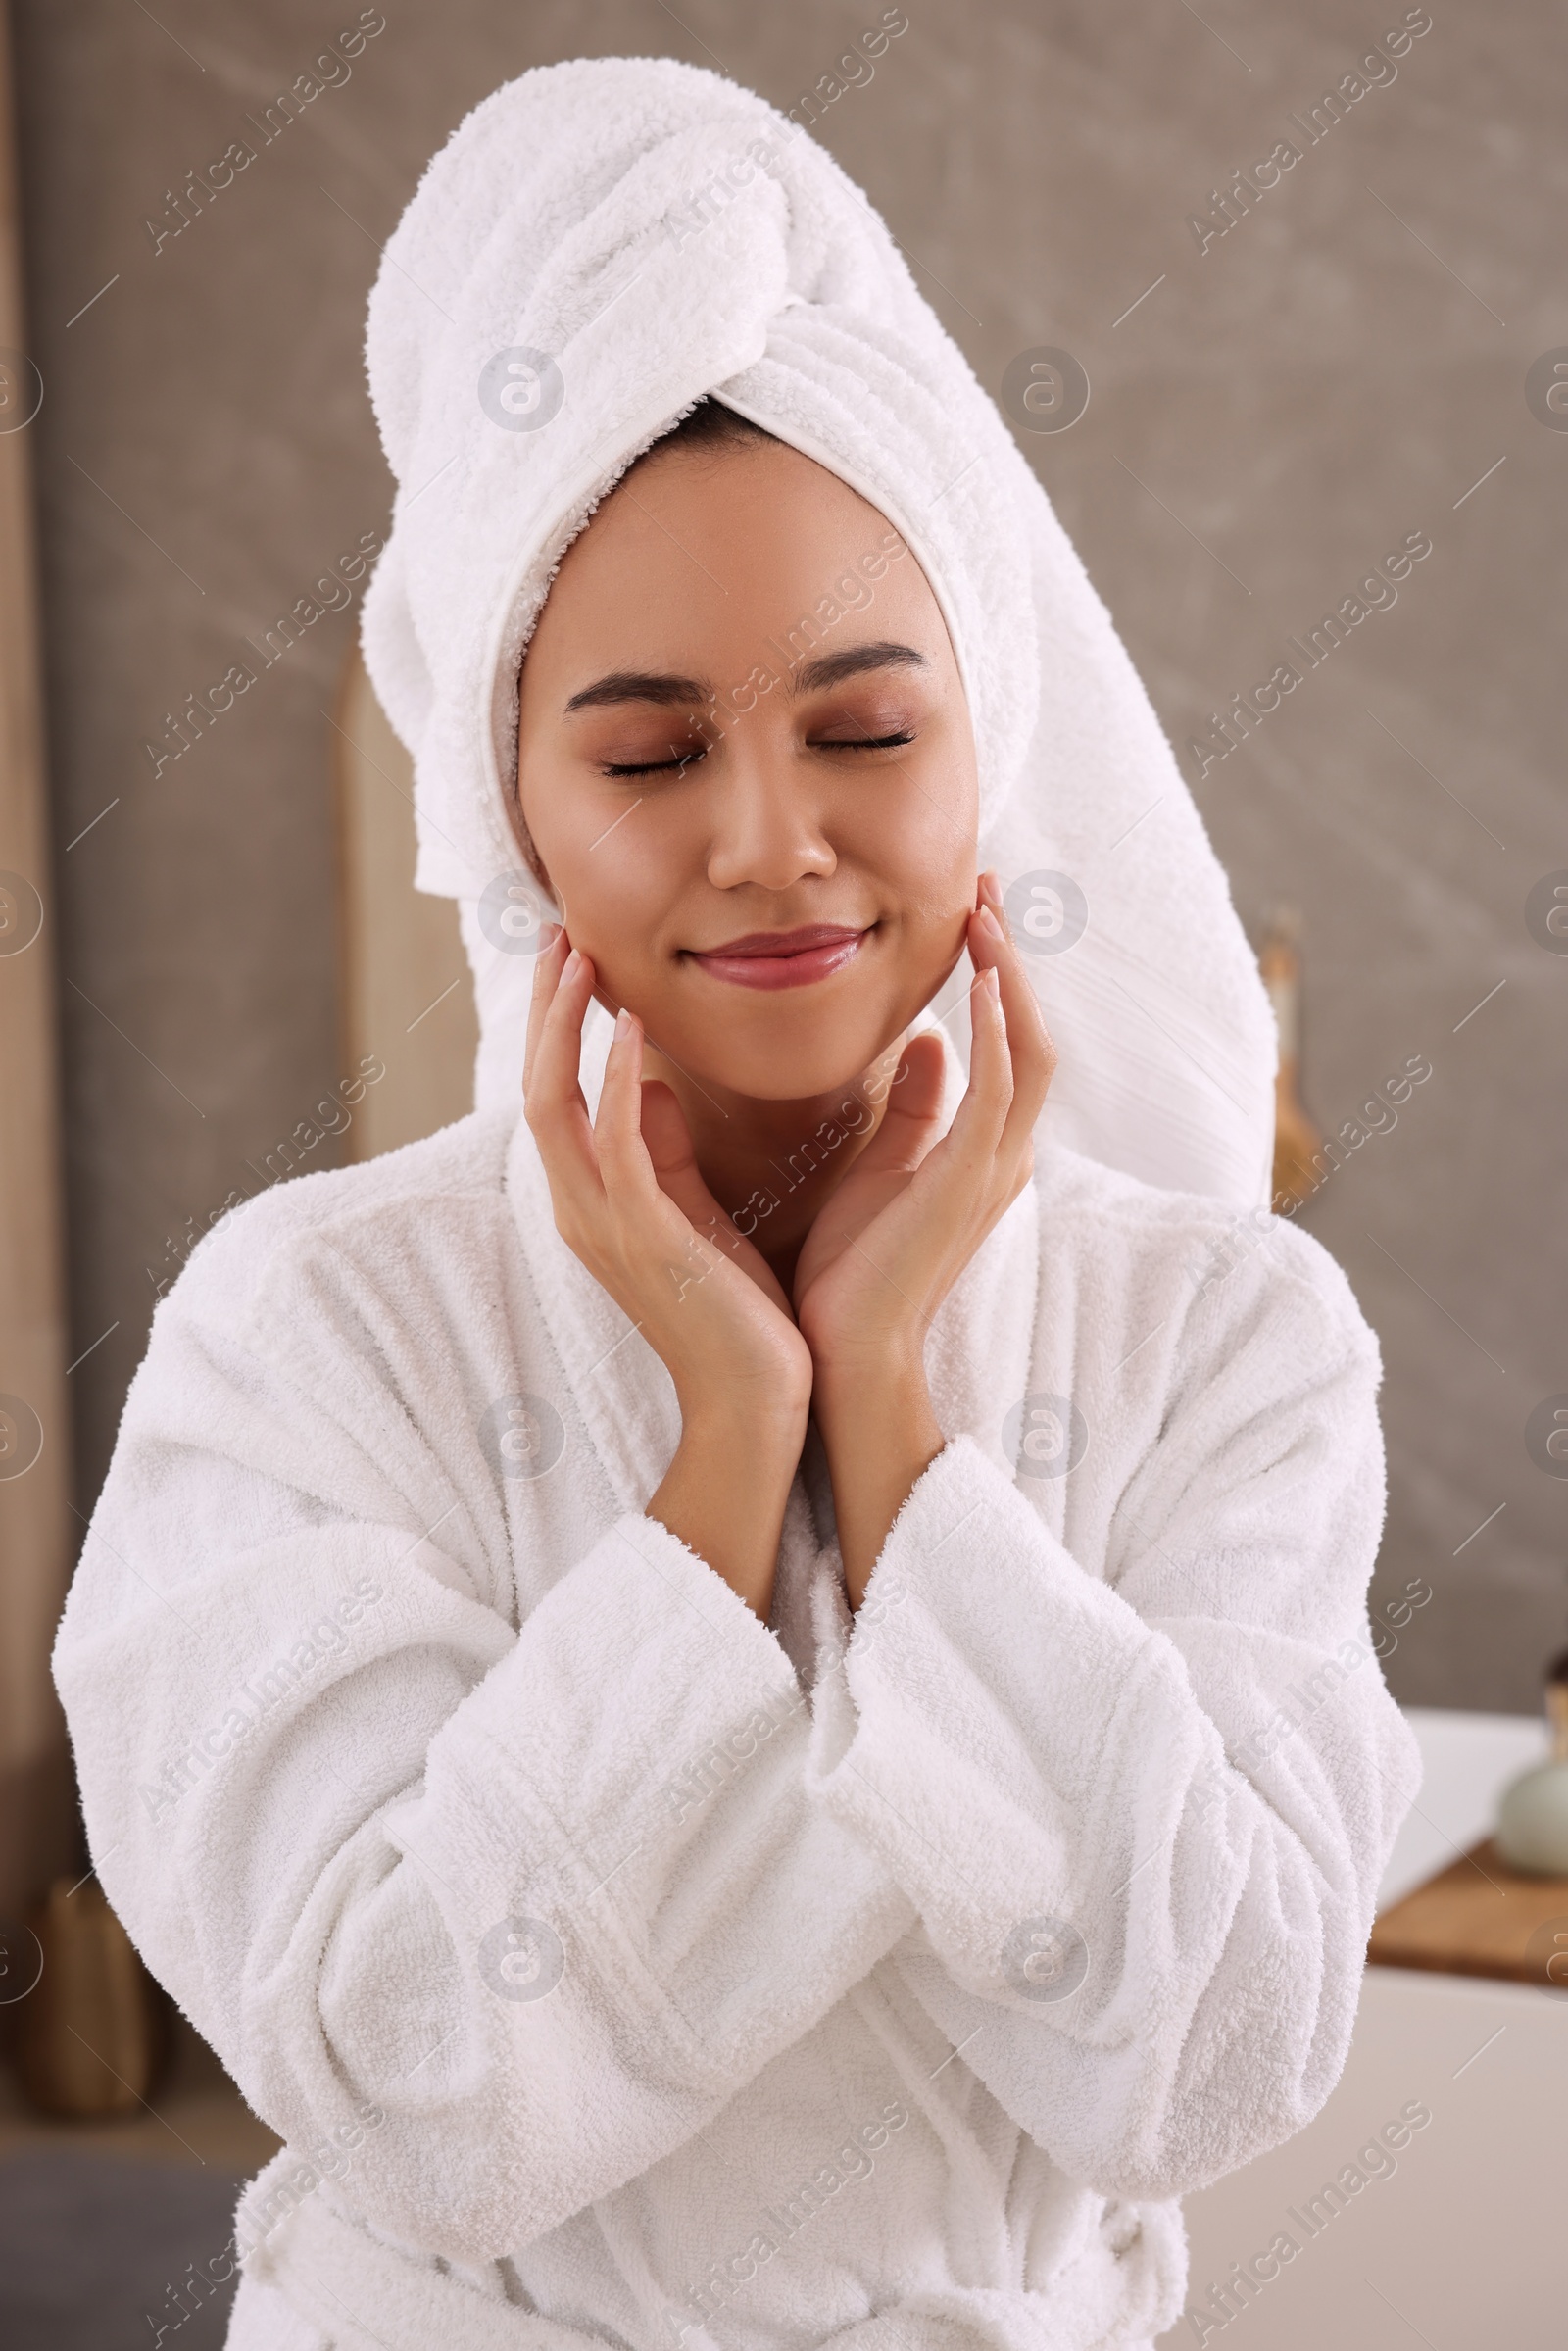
(524, 840)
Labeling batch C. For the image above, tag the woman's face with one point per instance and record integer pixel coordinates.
(746, 762)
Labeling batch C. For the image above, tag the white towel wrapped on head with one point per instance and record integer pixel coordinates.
(629, 235)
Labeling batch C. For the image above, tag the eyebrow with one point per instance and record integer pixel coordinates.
(666, 688)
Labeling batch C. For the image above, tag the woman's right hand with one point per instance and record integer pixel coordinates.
(719, 1323)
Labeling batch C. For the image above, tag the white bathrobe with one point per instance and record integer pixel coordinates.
(623, 1971)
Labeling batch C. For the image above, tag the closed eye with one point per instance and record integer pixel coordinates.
(678, 765)
(673, 767)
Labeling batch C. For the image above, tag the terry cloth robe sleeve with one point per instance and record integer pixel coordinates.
(539, 1900)
(1143, 1818)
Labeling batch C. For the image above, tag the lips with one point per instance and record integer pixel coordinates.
(783, 959)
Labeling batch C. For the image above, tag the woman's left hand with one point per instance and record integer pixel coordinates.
(901, 1227)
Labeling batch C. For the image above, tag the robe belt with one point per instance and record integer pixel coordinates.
(367, 2295)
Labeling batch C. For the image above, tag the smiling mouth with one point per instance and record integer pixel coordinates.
(783, 959)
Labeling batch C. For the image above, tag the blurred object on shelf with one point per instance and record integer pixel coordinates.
(88, 2038)
(1295, 1139)
(1533, 1816)
(1480, 1917)
(1501, 1909)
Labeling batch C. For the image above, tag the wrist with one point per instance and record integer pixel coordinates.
(725, 1491)
(878, 1387)
(746, 1453)
(774, 1430)
(880, 1434)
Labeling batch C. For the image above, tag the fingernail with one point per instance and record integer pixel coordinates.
(992, 984)
(990, 926)
(991, 887)
(622, 1026)
(571, 967)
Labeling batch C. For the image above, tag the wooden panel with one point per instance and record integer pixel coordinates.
(36, 1830)
(407, 995)
(1480, 1918)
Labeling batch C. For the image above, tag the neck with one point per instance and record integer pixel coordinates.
(770, 1166)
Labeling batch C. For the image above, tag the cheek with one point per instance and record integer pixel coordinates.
(915, 831)
(616, 876)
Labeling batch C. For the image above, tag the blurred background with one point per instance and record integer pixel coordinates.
(205, 916)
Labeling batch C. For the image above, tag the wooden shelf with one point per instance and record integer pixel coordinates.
(1480, 1918)
(195, 2115)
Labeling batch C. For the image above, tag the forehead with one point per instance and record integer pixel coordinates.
(716, 559)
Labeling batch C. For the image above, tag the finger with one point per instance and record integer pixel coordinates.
(554, 1104)
(983, 1113)
(913, 1113)
(1030, 1044)
(672, 1154)
(1016, 988)
(623, 1159)
(964, 1162)
(547, 970)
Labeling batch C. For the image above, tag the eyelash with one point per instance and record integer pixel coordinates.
(673, 767)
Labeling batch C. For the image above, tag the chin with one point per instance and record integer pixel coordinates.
(803, 1076)
(781, 1048)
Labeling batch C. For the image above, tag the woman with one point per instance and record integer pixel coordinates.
(742, 1704)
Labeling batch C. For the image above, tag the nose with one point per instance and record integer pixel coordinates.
(767, 817)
